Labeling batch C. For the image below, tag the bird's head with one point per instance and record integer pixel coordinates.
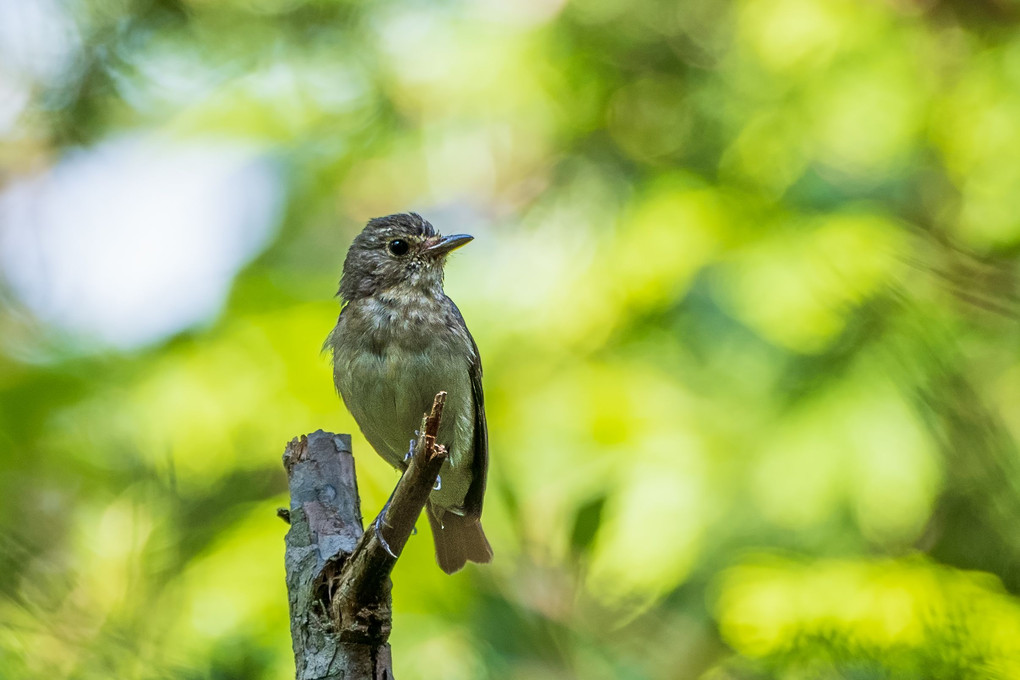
(397, 252)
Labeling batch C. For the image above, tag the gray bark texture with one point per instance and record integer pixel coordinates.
(338, 574)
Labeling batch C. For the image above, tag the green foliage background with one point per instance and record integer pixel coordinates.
(745, 287)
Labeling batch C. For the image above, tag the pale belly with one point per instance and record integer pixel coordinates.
(388, 393)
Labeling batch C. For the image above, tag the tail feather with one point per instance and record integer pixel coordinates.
(458, 539)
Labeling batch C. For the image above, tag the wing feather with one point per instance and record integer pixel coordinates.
(480, 459)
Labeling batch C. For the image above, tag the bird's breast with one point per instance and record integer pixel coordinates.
(389, 363)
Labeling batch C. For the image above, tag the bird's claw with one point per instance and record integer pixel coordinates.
(410, 447)
(378, 524)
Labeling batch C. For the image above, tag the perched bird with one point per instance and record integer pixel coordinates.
(398, 341)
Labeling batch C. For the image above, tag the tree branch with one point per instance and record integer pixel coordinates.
(338, 576)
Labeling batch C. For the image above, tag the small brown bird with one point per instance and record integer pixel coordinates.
(398, 341)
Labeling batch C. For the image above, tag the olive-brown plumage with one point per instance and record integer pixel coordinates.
(398, 341)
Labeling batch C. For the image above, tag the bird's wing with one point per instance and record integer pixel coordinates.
(480, 459)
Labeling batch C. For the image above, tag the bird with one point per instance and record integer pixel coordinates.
(398, 341)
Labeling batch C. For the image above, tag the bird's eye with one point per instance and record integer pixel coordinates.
(398, 247)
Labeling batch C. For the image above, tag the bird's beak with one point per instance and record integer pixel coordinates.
(442, 246)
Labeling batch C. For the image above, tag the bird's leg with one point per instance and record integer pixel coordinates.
(378, 532)
(439, 479)
(380, 521)
(410, 447)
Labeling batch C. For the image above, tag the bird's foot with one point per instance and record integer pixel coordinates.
(410, 447)
(378, 524)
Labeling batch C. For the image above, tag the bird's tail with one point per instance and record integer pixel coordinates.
(458, 538)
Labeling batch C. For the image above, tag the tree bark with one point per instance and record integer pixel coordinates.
(338, 574)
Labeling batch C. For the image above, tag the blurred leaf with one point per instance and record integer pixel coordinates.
(586, 524)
